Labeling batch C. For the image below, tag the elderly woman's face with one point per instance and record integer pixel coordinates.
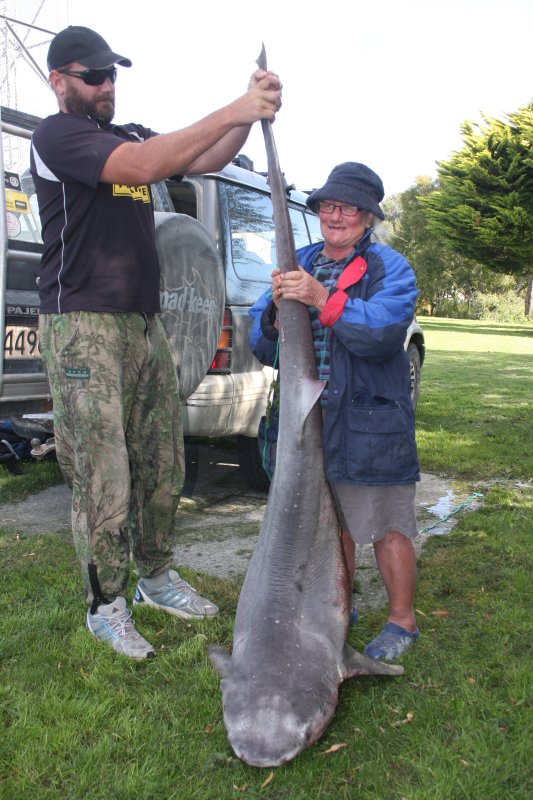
(342, 231)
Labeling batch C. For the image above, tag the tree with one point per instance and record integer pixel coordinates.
(441, 275)
(483, 207)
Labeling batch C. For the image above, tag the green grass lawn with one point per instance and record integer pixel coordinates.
(474, 417)
(77, 721)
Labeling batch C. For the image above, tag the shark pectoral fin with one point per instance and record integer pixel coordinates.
(311, 391)
(354, 663)
(220, 659)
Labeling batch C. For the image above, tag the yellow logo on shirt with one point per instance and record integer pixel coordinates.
(135, 192)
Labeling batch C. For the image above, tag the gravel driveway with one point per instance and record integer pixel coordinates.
(219, 517)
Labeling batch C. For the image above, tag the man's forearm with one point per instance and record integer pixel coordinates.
(222, 152)
(173, 153)
(206, 145)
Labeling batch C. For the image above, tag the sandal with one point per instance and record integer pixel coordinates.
(392, 641)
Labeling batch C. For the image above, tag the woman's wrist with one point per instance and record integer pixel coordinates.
(322, 299)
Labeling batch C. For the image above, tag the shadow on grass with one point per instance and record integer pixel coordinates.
(470, 327)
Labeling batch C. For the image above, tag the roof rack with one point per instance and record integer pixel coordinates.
(243, 161)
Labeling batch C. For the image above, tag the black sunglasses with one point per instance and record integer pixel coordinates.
(92, 77)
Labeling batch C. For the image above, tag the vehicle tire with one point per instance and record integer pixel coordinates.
(250, 464)
(192, 290)
(414, 371)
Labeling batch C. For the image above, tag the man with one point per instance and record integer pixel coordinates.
(116, 408)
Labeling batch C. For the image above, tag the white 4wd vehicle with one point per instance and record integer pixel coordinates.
(216, 246)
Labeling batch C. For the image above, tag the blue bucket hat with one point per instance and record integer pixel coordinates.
(354, 184)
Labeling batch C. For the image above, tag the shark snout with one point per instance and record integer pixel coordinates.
(267, 737)
(267, 731)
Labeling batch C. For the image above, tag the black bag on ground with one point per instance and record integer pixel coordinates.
(13, 448)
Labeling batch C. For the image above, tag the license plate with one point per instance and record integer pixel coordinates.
(21, 341)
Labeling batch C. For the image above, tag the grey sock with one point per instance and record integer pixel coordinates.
(157, 581)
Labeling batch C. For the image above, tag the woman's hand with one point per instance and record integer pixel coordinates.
(298, 285)
(276, 287)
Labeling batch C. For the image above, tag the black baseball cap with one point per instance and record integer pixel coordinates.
(84, 46)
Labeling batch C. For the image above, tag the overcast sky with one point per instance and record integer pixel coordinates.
(387, 83)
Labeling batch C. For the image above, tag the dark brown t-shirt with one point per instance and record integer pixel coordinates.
(99, 238)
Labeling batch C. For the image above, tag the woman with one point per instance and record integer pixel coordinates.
(361, 297)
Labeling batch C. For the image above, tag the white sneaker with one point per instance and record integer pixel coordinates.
(175, 596)
(112, 623)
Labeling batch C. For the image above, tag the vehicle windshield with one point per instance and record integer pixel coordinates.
(252, 232)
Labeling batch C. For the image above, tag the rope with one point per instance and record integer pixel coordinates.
(469, 500)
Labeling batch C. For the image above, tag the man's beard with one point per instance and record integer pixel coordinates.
(76, 104)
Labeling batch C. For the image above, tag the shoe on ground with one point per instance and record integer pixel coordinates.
(112, 623)
(175, 596)
(391, 642)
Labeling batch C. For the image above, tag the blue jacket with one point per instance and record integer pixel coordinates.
(369, 427)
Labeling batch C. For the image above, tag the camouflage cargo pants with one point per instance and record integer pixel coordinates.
(119, 439)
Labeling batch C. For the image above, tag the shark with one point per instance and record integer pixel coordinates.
(280, 683)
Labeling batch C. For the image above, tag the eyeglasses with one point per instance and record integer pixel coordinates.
(328, 208)
(92, 77)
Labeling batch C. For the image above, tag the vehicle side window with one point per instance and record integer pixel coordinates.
(301, 236)
(182, 197)
(252, 232)
(22, 211)
(313, 223)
